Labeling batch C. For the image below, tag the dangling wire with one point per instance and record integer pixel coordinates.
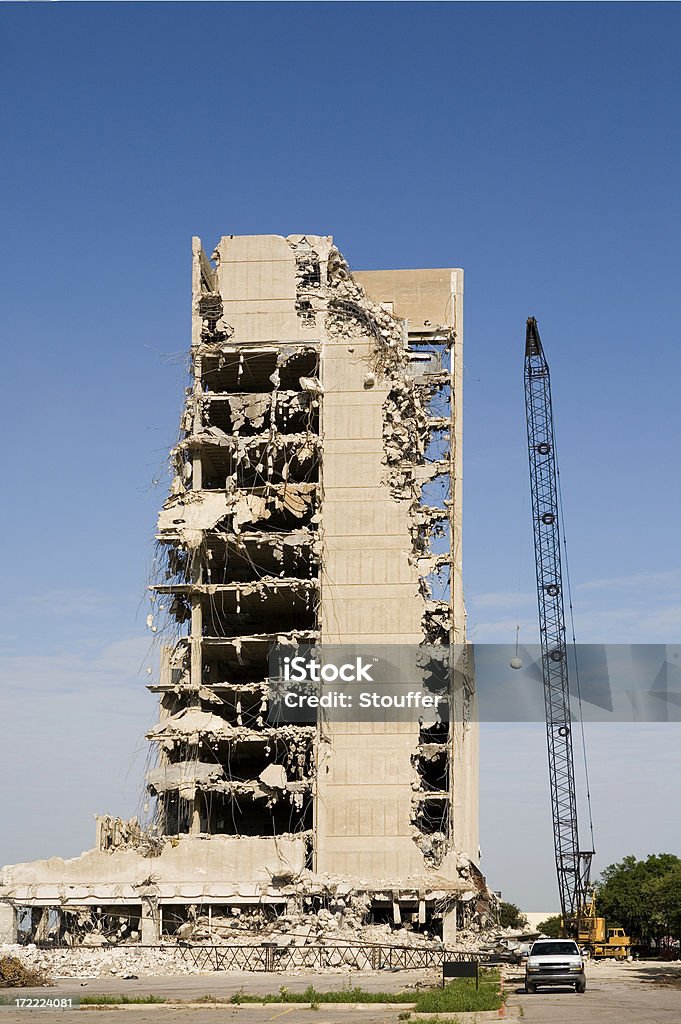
(516, 661)
(574, 652)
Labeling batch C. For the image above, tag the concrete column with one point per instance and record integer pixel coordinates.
(8, 923)
(196, 667)
(149, 923)
(196, 643)
(196, 672)
(449, 927)
(197, 473)
(197, 425)
(196, 815)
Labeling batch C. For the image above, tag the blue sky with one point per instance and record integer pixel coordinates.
(535, 145)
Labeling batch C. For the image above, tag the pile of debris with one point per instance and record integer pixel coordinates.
(14, 973)
(29, 965)
(325, 928)
(36, 965)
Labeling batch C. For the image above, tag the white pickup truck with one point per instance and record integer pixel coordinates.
(554, 962)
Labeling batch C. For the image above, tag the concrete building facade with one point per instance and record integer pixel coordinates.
(315, 499)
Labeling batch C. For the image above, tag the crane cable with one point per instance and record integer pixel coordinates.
(574, 650)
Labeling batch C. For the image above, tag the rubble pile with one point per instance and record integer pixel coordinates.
(36, 965)
(119, 962)
(335, 926)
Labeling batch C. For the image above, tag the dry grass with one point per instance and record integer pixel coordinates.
(15, 974)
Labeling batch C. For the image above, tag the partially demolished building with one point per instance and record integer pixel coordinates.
(315, 498)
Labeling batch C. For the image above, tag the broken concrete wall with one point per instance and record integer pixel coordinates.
(389, 432)
(263, 288)
(220, 862)
(428, 440)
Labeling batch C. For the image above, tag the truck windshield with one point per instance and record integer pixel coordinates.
(554, 949)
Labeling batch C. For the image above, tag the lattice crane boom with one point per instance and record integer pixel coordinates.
(572, 865)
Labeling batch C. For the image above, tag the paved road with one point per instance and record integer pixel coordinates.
(617, 994)
(222, 985)
(609, 1003)
(218, 1015)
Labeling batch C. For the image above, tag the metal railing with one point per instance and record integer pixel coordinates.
(357, 957)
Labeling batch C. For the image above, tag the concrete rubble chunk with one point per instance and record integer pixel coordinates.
(274, 776)
(183, 775)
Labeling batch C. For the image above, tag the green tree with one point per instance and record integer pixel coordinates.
(510, 916)
(642, 896)
(550, 927)
(664, 893)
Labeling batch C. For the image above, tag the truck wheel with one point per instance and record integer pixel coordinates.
(580, 987)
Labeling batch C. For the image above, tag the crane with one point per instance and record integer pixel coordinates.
(573, 865)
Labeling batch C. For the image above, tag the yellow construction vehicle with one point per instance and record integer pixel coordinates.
(601, 942)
